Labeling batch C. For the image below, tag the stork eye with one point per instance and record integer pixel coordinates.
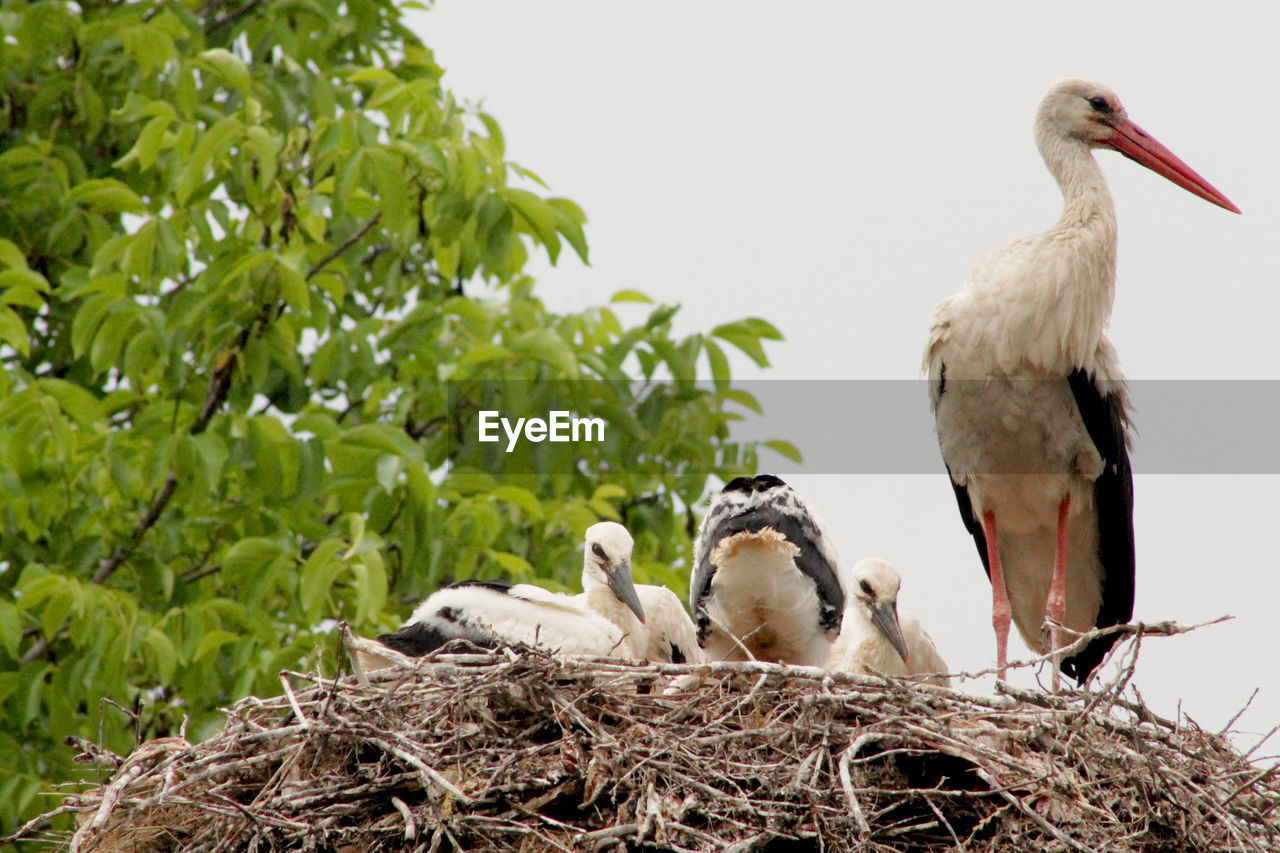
(1100, 104)
(597, 550)
(866, 588)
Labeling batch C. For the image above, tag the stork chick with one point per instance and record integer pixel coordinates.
(874, 635)
(605, 620)
(764, 583)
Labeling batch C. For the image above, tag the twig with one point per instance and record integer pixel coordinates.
(1154, 629)
(1031, 813)
(234, 15)
(410, 828)
(1238, 714)
(293, 701)
(846, 783)
(344, 245)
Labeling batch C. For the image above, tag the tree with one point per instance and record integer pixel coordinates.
(259, 272)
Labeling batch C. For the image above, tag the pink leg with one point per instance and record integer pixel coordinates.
(999, 596)
(1055, 609)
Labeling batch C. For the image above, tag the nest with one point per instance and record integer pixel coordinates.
(526, 751)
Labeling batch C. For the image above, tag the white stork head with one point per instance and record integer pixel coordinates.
(607, 562)
(1077, 111)
(871, 595)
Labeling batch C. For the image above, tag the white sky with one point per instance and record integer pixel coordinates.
(837, 167)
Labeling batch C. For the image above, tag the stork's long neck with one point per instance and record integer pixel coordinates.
(1083, 243)
(1087, 209)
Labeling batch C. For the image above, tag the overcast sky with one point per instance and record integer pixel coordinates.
(837, 167)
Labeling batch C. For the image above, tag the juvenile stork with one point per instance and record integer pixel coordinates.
(875, 635)
(1029, 400)
(605, 620)
(764, 583)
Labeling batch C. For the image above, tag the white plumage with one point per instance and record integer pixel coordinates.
(605, 620)
(1030, 404)
(875, 635)
(764, 585)
(672, 637)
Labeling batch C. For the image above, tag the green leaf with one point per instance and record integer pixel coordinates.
(513, 564)
(13, 331)
(87, 320)
(10, 628)
(229, 66)
(24, 296)
(718, 362)
(523, 498)
(356, 522)
(744, 398)
(293, 287)
(388, 472)
(58, 607)
(106, 195)
(212, 144)
(210, 642)
(82, 406)
(483, 353)
(150, 140)
(608, 491)
(371, 587)
(604, 509)
(785, 449)
(110, 339)
(630, 296)
(317, 576)
(540, 217)
(249, 555)
(245, 264)
(23, 278)
(569, 223)
(546, 346)
(746, 335)
(11, 256)
(163, 652)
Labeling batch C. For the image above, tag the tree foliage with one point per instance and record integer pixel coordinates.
(256, 268)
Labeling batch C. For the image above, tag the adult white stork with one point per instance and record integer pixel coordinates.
(1029, 400)
(764, 583)
(875, 635)
(606, 619)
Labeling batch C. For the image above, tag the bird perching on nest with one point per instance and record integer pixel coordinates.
(764, 583)
(1030, 403)
(875, 635)
(605, 620)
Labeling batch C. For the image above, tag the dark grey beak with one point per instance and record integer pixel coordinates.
(619, 578)
(885, 616)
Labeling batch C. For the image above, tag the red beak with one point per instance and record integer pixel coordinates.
(1134, 143)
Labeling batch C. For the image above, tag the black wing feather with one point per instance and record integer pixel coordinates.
(419, 638)
(971, 522)
(1104, 418)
